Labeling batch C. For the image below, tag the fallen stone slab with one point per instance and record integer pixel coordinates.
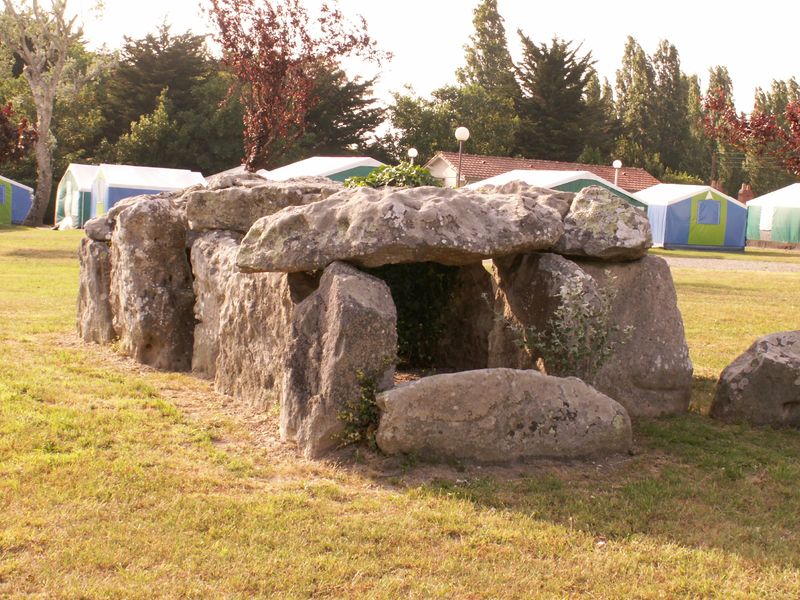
(500, 416)
(762, 386)
(237, 207)
(604, 226)
(375, 227)
(95, 320)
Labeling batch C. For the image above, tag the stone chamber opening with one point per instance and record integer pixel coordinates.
(444, 316)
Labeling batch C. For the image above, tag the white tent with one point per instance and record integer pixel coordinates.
(338, 168)
(565, 181)
(74, 196)
(775, 217)
(115, 182)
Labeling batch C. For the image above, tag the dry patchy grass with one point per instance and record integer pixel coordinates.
(120, 481)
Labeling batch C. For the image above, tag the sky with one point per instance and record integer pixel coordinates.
(427, 37)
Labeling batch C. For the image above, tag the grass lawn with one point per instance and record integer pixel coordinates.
(118, 481)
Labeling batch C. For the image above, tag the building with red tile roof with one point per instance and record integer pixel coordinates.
(477, 167)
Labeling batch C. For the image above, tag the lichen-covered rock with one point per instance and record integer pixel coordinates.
(151, 284)
(213, 265)
(560, 201)
(341, 335)
(237, 207)
(649, 371)
(762, 386)
(603, 225)
(254, 333)
(95, 321)
(500, 416)
(371, 227)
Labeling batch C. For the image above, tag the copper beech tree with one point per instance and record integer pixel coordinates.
(16, 137)
(761, 133)
(273, 47)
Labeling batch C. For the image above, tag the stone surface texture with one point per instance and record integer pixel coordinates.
(560, 201)
(237, 208)
(151, 285)
(500, 416)
(213, 260)
(762, 386)
(371, 227)
(602, 225)
(649, 371)
(343, 332)
(95, 320)
(255, 318)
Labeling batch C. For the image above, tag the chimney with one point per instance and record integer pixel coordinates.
(745, 194)
(717, 185)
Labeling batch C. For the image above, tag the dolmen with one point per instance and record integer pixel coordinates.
(273, 291)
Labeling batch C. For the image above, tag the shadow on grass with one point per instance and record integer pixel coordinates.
(696, 483)
(41, 253)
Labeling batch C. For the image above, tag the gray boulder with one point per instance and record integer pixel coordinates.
(213, 264)
(560, 201)
(341, 334)
(151, 284)
(500, 416)
(238, 207)
(372, 227)
(603, 225)
(95, 321)
(254, 326)
(649, 371)
(762, 386)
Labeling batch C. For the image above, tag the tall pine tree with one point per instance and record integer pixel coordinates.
(670, 104)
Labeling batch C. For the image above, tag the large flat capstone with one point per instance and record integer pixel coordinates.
(500, 416)
(370, 228)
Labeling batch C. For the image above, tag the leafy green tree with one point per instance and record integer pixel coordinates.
(636, 144)
(146, 67)
(670, 106)
(554, 117)
(697, 154)
(488, 61)
(726, 161)
(340, 122)
(600, 123)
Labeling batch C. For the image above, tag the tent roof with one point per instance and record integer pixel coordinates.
(669, 193)
(149, 177)
(544, 178)
(84, 175)
(17, 183)
(785, 197)
(319, 166)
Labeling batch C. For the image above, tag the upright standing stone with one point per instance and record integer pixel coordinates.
(151, 285)
(95, 321)
(342, 333)
(213, 265)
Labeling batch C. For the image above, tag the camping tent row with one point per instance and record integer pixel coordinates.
(775, 217)
(87, 191)
(694, 216)
(15, 201)
(562, 181)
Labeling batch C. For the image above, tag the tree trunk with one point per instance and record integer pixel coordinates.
(44, 181)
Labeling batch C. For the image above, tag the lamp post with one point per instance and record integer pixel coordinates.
(462, 135)
(617, 164)
(412, 154)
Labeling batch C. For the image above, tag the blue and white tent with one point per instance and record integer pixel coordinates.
(694, 216)
(113, 183)
(15, 201)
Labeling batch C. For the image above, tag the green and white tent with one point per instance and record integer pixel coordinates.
(775, 217)
(337, 168)
(562, 181)
(74, 196)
